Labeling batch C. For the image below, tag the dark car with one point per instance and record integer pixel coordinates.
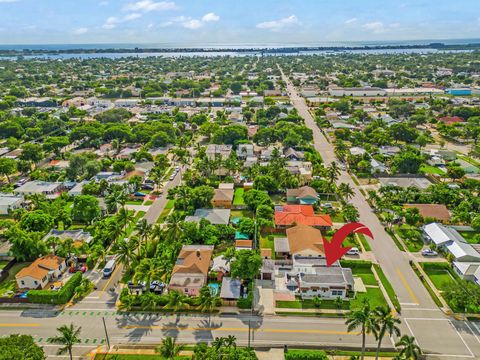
(147, 187)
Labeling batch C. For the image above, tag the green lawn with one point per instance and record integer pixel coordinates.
(472, 237)
(166, 211)
(366, 274)
(135, 202)
(365, 242)
(440, 278)
(427, 169)
(411, 236)
(241, 214)
(9, 284)
(3, 264)
(238, 197)
(388, 287)
(267, 242)
(148, 202)
(374, 295)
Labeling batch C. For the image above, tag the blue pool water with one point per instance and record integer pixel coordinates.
(214, 288)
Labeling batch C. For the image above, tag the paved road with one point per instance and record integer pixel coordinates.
(159, 204)
(417, 305)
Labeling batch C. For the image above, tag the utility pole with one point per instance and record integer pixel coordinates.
(106, 333)
(249, 329)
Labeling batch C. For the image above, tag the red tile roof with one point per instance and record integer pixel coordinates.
(451, 119)
(300, 215)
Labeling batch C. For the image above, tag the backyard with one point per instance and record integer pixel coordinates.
(238, 197)
(8, 286)
(440, 275)
(472, 237)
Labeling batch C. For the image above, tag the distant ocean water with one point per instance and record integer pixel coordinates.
(230, 45)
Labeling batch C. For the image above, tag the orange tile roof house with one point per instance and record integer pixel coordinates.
(432, 211)
(190, 272)
(39, 273)
(301, 240)
(290, 215)
(223, 196)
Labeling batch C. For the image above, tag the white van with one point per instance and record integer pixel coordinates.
(109, 267)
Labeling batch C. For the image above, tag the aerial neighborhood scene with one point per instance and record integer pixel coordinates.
(222, 180)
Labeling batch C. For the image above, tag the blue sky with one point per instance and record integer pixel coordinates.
(234, 21)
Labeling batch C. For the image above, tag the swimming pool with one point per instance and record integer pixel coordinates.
(214, 288)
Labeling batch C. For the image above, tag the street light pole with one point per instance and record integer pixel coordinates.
(106, 333)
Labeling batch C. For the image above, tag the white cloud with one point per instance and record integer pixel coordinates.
(377, 27)
(279, 25)
(192, 24)
(351, 21)
(80, 31)
(113, 21)
(132, 16)
(149, 5)
(210, 17)
(9, 1)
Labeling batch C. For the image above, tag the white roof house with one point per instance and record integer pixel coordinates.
(9, 203)
(466, 269)
(50, 189)
(476, 276)
(451, 241)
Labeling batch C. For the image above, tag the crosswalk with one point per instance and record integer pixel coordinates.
(85, 341)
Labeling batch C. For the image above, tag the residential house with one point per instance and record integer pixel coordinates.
(301, 240)
(303, 195)
(449, 120)
(431, 211)
(291, 215)
(466, 270)
(190, 272)
(231, 289)
(292, 154)
(449, 240)
(310, 277)
(223, 196)
(79, 237)
(378, 167)
(244, 151)
(42, 271)
(9, 202)
(405, 181)
(50, 189)
(301, 168)
(357, 151)
(243, 244)
(214, 216)
(357, 92)
(222, 151)
(389, 150)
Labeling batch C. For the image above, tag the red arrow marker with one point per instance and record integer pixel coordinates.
(334, 249)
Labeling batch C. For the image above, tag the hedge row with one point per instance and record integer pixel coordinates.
(56, 297)
(305, 355)
(356, 264)
(434, 265)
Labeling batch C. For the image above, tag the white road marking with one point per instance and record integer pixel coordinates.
(473, 332)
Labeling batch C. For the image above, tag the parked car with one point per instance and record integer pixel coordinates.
(147, 187)
(172, 177)
(80, 268)
(157, 286)
(327, 205)
(353, 251)
(429, 252)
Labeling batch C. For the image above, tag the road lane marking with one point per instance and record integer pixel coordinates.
(19, 325)
(473, 332)
(327, 332)
(409, 289)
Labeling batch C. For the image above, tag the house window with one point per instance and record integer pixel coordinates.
(185, 290)
(35, 282)
(337, 292)
(22, 282)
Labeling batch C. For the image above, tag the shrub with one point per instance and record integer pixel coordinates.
(356, 264)
(56, 297)
(305, 355)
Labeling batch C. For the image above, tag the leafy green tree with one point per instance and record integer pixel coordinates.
(32, 153)
(69, 337)
(254, 198)
(7, 167)
(177, 301)
(20, 347)
(85, 208)
(246, 264)
(36, 220)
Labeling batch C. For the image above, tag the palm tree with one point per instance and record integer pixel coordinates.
(410, 349)
(346, 191)
(207, 302)
(333, 172)
(364, 319)
(169, 348)
(151, 301)
(176, 301)
(173, 226)
(124, 216)
(387, 325)
(125, 251)
(231, 341)
(69, 336)
(114, 198)
(148, 270)
(144, 229)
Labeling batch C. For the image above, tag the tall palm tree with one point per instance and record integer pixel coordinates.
(207, 302)
(410, 349)
(115, 198)
(169, 348)
(124, 216)
(151, 301)
(387, 324)
(176, 301)
(333, 172)
(231, 341)
(346, 191)
(364, 319)
(173, 226)
(69, 336)
(125, 251)
(144, 230)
